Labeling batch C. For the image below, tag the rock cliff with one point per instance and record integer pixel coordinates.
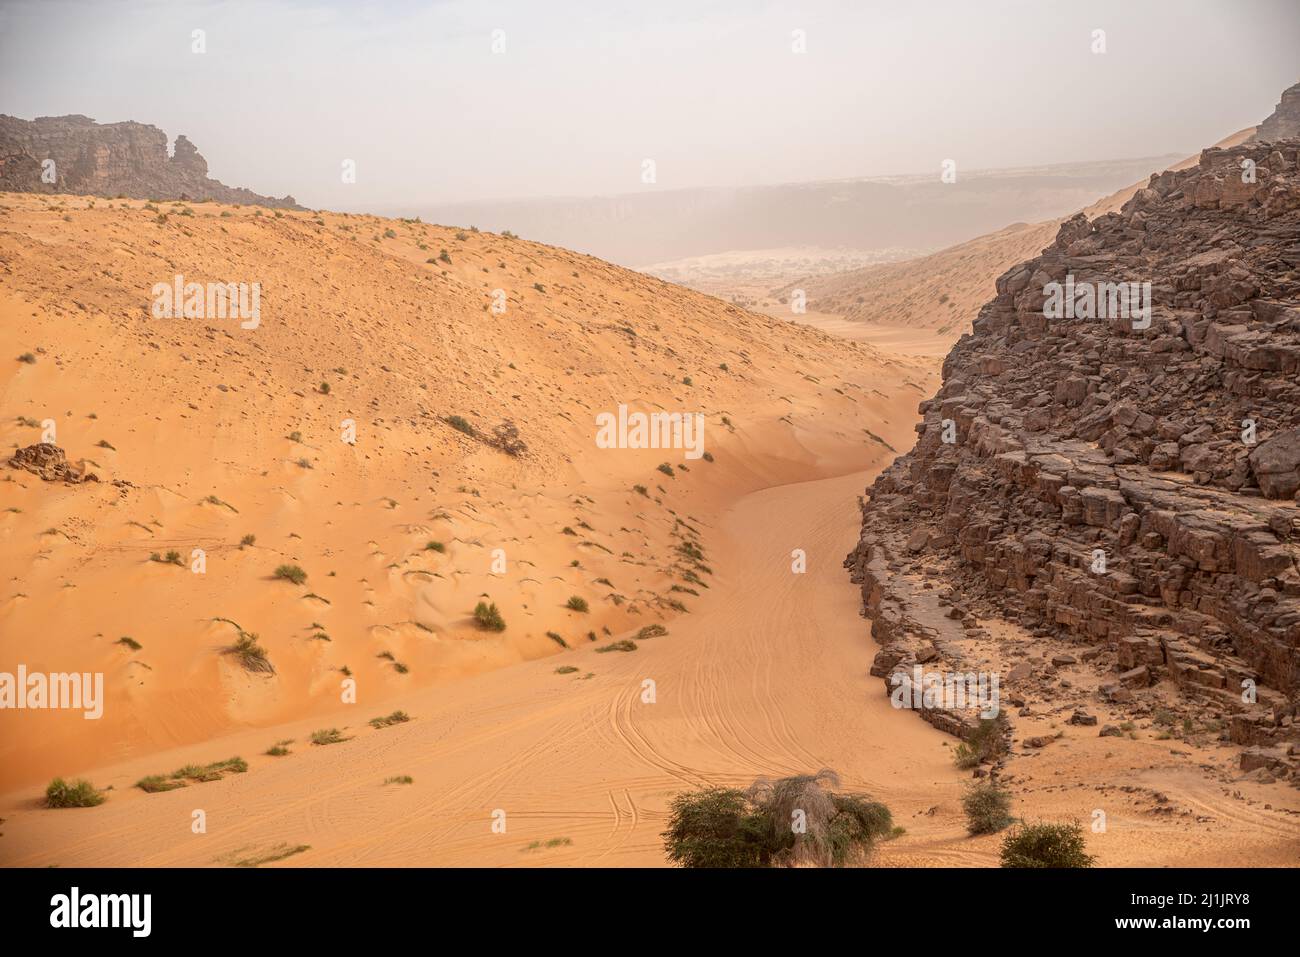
(1285, 121)
(1124, 481)
(110, 159)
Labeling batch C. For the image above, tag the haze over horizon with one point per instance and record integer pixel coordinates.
(879, 91)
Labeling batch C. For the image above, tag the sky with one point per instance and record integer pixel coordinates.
(450, 101)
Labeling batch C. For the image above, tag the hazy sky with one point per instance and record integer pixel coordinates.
(585, 91)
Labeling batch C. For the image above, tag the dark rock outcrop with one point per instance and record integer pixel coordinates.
(1126, 483)
(51, 464)
(111, 159)
(1284, 123)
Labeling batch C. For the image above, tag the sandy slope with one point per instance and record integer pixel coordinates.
(766, 678)
(203, 432)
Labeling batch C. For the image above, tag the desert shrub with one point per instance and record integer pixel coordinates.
(506, 438)
(397, 717)
(576, 603)
(460, 424)
(666, 469)
(28, 358)
(1046, 845)
(324, 388)
(726, 827)
(200, 773)
(327, 736)
(715, 828)
(837, 829)
(247, 540)
(291, 573)
(651, 631)
(556, 637)
(487, 616)
(565, 670)
(623, 645)
(987, 807)
(250, 654)
(79, 793)
(435, 547)
(986, 742)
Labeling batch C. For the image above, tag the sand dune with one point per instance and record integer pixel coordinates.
(203, 433)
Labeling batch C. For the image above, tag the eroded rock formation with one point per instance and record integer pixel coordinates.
(1127, 484)
(1285, 121)
(51, 463)
(111, 159)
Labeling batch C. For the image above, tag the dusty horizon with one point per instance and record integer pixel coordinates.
(430, 101)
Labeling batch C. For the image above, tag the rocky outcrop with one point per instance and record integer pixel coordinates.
(51, 464)
(1129, 482)
(1284, 123)
(111, 159)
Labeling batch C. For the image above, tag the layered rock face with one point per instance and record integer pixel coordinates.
(1285, 121)
(1126, 483)
(129, 159)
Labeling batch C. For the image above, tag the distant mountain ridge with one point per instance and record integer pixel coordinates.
(660, 225)
(110, 159)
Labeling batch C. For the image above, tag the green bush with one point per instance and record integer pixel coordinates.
(987, 807)
(791, 821)
(250, 654)
(986, 742)
(487, 616)
(576, 603)
(1046, 845)
(715, 828)
(79, 793)
(460, 424)
(291, 573)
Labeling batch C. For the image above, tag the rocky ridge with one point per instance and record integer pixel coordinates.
(1124, 484)
(110, 159)
(1284, 123)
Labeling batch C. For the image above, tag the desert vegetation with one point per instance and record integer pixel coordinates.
(791, 822)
